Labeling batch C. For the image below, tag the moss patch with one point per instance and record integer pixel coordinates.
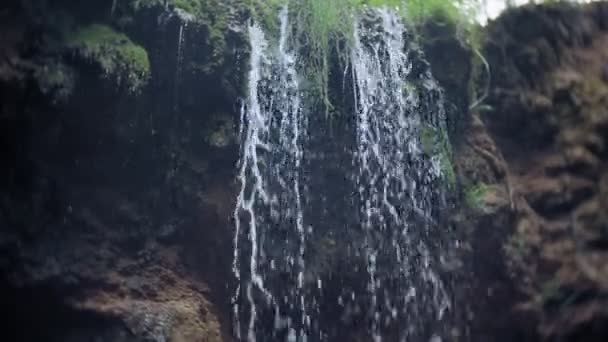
(475, 195)
(190, 6)
(114, 52)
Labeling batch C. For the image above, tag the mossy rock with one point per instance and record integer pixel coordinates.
(189, 6)
(117, 56)
(475, 195)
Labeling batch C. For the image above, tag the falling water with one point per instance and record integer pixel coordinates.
(269, 205)
(183, 26)
(397, 182)
(387, 276)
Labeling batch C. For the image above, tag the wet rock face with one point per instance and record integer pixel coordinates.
(547, 134)
(115, 206)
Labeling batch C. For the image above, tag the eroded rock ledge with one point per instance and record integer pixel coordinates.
(539, 154)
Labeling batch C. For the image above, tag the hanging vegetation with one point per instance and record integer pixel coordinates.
(323, 27)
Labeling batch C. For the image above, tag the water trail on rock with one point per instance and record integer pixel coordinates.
(183, 26)
(269, 205)
(378, 257)
(396, 181)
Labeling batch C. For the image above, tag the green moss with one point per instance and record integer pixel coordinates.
(193, 7)
(213, 16)
(190, 6)
(323, 25)
(114, 52)
(265, 12)
(320, 25)
(475, 196)
(418, 11)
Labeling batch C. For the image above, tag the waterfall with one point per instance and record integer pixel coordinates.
(367, 266)
(269, 205)
(396, 181)
(183, 26)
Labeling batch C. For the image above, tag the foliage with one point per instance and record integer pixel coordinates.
(326, 27)
(475, 195)
(417, 11)
(189, 6)
(211, 14)
(265, 12)
(323, 25)
(114, 52)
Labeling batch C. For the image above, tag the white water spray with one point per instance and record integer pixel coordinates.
(396, 179)
(392, 194)
(270, 202)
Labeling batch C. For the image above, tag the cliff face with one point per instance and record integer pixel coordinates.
(119, 171)
(115, 200)
(539, 154)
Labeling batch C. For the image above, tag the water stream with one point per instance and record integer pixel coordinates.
(269, 206)
(397, 181)
(304, 273)
(179, 57)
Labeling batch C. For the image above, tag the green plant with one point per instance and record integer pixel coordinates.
(114, 52)
(212, 14)
(322, 26)
(325, 25)
(418, 11)
(266, 13)
(475, 195)
(193, 7)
